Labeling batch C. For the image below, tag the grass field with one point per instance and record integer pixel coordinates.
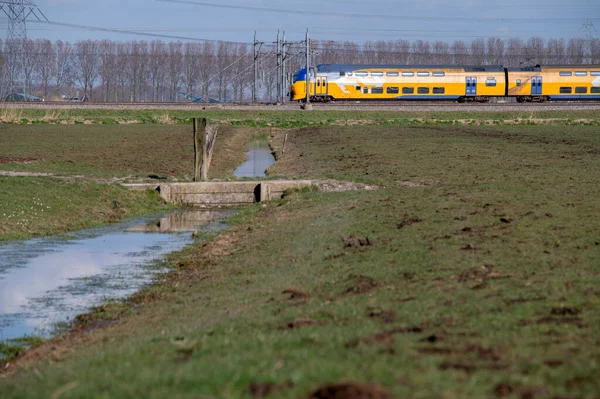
(473, 272)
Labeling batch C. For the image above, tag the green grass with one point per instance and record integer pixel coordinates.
(295, 119)
(479, 279)
(40, 206)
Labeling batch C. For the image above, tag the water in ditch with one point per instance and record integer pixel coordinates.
(259, 159)
(48, 281)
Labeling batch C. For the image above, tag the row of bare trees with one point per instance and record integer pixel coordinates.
(161, 71)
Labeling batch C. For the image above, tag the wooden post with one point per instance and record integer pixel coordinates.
(199, 133)
(204, 142)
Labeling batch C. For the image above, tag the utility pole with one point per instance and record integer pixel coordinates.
(284, 82)
(278, 68)
(307, 105)
(257, 47)
(588, 28)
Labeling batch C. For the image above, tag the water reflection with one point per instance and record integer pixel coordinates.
(259, 159)
(45, 281)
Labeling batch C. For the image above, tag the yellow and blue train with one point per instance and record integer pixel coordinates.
(331, 82)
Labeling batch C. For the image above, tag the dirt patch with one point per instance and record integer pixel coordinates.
(349, 391)
(378, 314)
(565, 311)
(361, 284)
(353, 242)
(295, 294)
(387, 337)
(5, 160)
(408, 221)
(24, 174)
(335, 186)
(299, 323)
(576, 321)
(262, 390)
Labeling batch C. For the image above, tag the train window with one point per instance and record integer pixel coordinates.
(439, 74)
(342, 73)
(422, 73)
(581, 90)
(393, 90)
(423, 90)
(358, 88)
(348, 73)
(566, 90)
(376, 73)
(366, 90)
(393, 74)
(439, 90)
(518, 82)
(377, 90)
(565, 73)
(595, 73)
(595, 90)
(408, 74)
(490, 82)
(408, 90)
(362, 74)
(581, 73)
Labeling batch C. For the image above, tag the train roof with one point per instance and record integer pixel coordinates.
(354, 67)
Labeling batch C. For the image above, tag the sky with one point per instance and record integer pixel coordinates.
(339, 20)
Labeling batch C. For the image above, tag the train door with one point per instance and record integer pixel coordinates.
(321, 89)
(536, 86)
(471, 86)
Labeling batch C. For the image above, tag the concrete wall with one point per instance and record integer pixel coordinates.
(214, 194)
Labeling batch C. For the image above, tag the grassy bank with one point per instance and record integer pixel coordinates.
(294, 119)
(474, 273)
(40, 206)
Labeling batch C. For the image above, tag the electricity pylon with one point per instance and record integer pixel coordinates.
(18, 11)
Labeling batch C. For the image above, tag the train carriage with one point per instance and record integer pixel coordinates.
(554, 82)
(329, 82)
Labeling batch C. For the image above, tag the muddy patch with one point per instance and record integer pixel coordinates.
(354, 242)
(360, 284)
(349, 391)
(300, 323)
(408, 221)
(5, 160)
(262, 390)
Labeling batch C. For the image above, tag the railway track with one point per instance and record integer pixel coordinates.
(342, 105)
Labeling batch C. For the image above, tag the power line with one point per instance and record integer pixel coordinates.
(373, 16)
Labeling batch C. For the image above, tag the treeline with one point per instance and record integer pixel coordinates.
(160, 71)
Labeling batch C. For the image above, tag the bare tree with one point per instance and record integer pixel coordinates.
(401, 51)
(174, 68)
(534, 51)
(576, 51)
(441, 53)
(478, 52)
(45, 56)
(514, 52)
(87, 65)
(157, 67)
(206, 64)
(62, 68)
(122, 71)
(29, 62)
(190, 71)
(555, 51)
(460, 52)
(108, 70)
(421, 52)
(595, 51)
(495, 51)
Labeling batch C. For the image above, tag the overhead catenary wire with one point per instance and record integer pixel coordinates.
(375, 16)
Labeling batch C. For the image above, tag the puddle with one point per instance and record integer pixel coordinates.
(259, 159)
(51, 280)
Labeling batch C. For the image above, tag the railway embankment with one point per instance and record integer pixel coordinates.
(476, 266)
